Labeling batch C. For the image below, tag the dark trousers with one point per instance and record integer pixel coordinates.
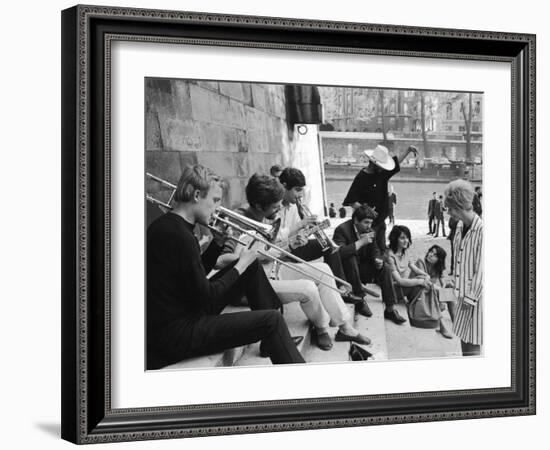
(438, 221)
(358, 270)
(391, 217)
(380, 235)
(217, 332)
(431, 224)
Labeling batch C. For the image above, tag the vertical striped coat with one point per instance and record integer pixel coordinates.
(468, 270)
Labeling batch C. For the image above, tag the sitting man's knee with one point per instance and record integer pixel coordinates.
(309, 291)
(324, 267)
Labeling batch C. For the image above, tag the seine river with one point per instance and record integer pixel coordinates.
(412, 197)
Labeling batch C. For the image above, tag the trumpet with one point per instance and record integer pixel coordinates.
(264, 234)
(326, 243)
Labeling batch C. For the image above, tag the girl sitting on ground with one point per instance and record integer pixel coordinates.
(425, 311)
(409, 281)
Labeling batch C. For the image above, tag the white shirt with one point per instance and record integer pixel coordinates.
(289, 219)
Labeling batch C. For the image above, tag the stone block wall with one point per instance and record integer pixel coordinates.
(235, 129)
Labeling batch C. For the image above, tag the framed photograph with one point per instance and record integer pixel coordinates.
(279, 224)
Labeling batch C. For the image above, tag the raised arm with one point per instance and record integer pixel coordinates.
(411, 149)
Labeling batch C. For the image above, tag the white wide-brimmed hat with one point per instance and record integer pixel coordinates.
(381, 157)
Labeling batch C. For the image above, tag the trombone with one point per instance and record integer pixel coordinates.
(167, 206)
(259, 232)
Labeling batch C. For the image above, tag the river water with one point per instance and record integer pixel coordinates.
(412, 197)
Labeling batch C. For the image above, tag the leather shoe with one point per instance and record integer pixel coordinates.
(351, 298)
(363, 309)
(322, 340)
(359, 338)
(394, 316)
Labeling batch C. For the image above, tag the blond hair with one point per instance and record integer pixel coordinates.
(194, 178)
(459, 194)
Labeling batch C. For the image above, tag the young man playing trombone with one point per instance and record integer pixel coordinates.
(312, 284)
(184, 306)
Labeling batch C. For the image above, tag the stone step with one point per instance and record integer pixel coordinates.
(389, 341)
(338, 353)
(374, 326)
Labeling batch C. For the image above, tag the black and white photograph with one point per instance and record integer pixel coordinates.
(277, 224)
(296, 223)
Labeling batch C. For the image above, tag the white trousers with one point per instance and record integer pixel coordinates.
(315, 298)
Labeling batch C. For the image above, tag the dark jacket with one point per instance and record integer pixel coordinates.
(372, 189)
(431, 207)
(345, 236)
(476, 203)
(439, 208)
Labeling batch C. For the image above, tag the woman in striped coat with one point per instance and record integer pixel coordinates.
(468, 266)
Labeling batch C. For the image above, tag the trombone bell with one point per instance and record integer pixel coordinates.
(265, 230)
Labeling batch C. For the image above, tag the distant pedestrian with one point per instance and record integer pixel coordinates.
(439, 217)
(452, 229)
(392, 201)
(332, 211)
(342, 212)
(431, 214)
(476, 202)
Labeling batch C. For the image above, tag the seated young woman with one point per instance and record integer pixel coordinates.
(425, 311)
(401, 266)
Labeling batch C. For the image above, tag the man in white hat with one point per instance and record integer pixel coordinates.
(370, 186)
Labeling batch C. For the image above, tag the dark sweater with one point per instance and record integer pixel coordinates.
(178, 292)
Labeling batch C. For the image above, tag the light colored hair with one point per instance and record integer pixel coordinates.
(194, 178)
(459, 194)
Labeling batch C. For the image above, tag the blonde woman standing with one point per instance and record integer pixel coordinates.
(468, 266)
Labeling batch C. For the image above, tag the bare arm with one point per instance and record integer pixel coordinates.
(402, 281)
(417, 270)
(407, 282)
